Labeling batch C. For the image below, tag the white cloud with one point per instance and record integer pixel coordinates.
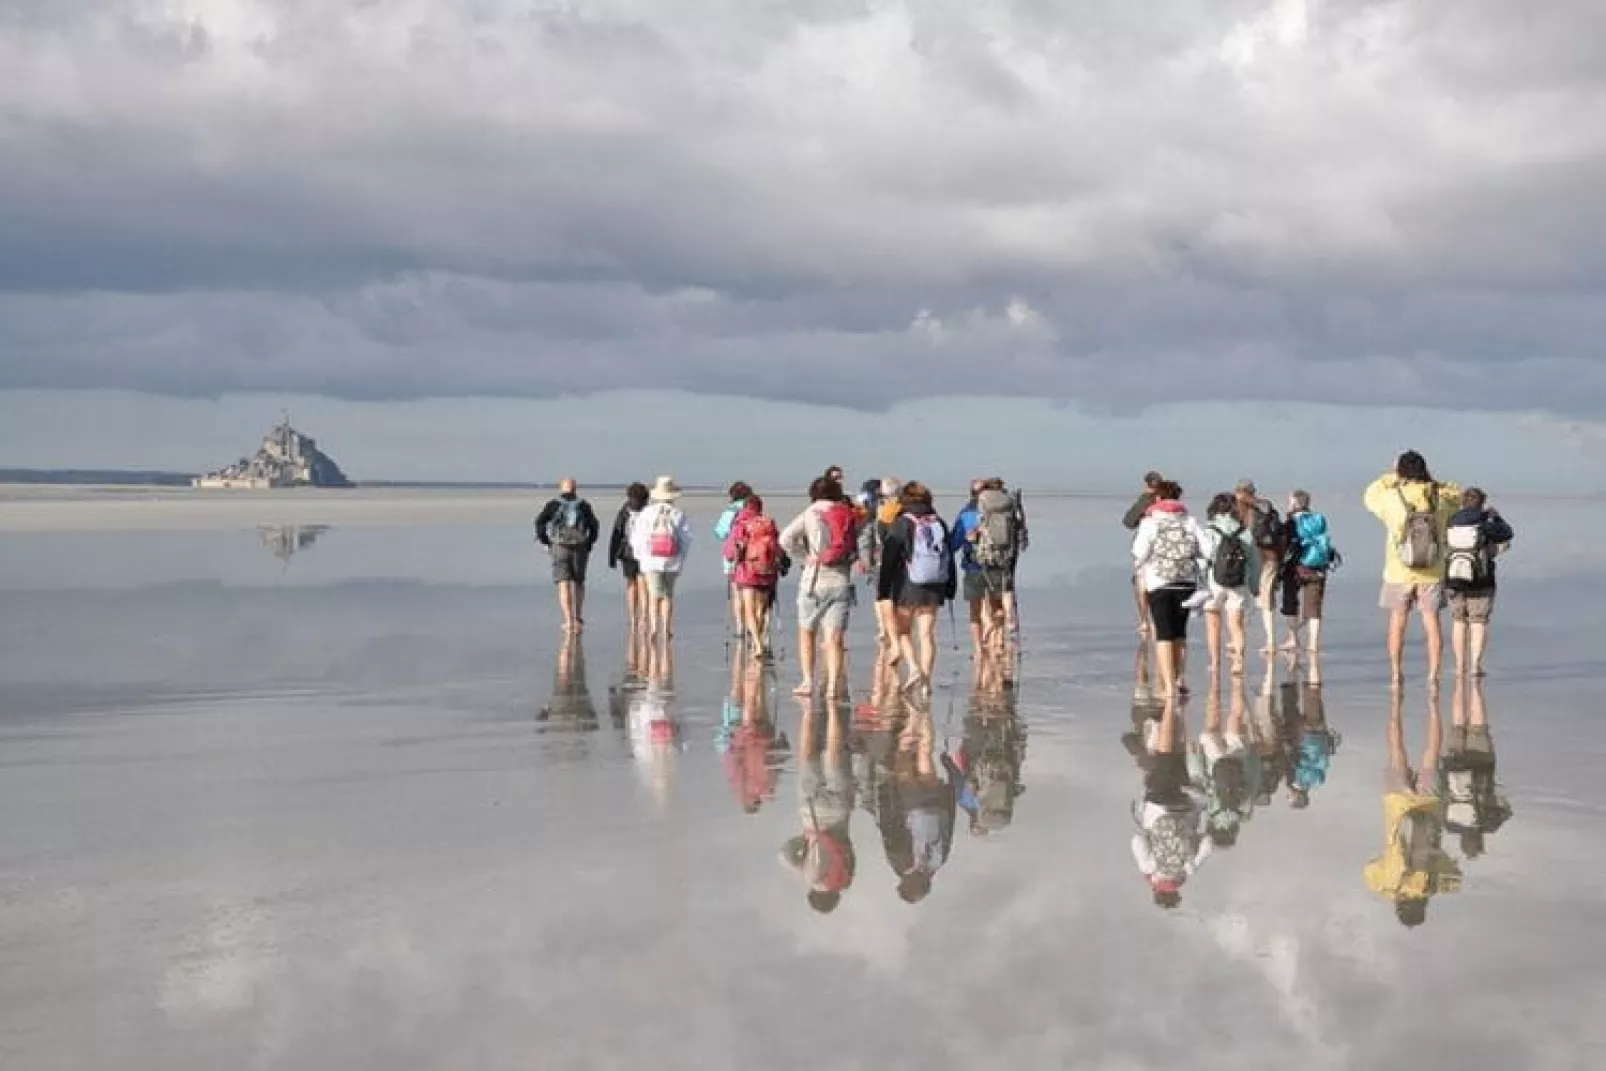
(412, 198)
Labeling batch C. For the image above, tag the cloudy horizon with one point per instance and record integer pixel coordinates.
(860, 206)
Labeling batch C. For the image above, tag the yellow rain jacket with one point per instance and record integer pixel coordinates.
(1384, 500)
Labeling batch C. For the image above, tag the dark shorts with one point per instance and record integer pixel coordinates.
(1169, 612)
(1166, 779)
(1303, 594)
(629, 568)
(569, 565)
(988, 584)
(922, 596)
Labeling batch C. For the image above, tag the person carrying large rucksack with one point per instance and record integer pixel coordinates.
(753, 549)
(1232, 580)
(1415, 510)
(985, 536)
(1270, 534)
(1475, 536)
(917, 572)
(567, 527)
(1310, 559)
(825, 538)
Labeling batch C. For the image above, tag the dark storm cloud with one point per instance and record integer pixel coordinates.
(1352, 201)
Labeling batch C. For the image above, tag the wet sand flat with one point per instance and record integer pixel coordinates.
(332, 793)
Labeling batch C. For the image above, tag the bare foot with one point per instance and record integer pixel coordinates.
(804, 689)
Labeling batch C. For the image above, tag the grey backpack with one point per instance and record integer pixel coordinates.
(1418, 546)
(995, 530)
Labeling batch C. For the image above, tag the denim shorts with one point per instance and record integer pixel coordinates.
(827, 610)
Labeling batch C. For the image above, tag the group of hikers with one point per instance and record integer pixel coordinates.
(888, 534)
(1441, 547)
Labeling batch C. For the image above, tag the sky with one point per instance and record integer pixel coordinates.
(862, 206)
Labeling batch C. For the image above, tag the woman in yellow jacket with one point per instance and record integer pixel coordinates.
(1395, 498)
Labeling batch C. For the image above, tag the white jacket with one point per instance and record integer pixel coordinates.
(1143, 549)
(647, 522)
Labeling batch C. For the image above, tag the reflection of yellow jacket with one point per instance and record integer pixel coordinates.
(1384, 500)
(1390, 875)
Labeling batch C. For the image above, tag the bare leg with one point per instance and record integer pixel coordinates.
(1238, 640)
(1166, 663)
(806, 657)
(566, 604)
(905, 626)
(1213, 640)
(978, 629)
(1396, 643)
(1429, 766)
(1434, 634)
(835, 656)
(1458, 646)
(1313, 638)
(1145, 625)
(1478, 640)
(926, 626)
(579, 599)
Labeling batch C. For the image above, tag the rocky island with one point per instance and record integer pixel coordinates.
(286, 458)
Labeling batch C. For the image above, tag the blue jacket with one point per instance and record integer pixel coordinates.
(722, 528)
(968, 520)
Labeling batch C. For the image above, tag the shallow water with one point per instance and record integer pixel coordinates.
(340, 799)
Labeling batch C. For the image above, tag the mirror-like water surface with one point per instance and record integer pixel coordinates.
(342, 797)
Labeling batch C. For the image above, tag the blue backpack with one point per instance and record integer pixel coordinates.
(1315, 546)
(929, 560)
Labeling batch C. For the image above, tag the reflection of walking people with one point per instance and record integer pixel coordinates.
(823, 852)
(660, 537)
(1414, 866)
(1170, 843)
(751, 746)
(917, 807)
(1474, 805)
(570, 706)
(568, 528)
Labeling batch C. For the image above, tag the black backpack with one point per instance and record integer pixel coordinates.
(1268, 532)
(1229, 566)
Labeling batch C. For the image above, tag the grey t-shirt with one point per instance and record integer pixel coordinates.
(805, 537)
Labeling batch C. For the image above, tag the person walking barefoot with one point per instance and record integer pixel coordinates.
(917, 568)
(661, 538)
(1415, 510)
(753, 549)
(825, 538)
(568, 528)
(1167, 556)
(623, 558)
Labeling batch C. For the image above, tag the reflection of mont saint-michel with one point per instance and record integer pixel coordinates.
(286, 458)
(285, 539)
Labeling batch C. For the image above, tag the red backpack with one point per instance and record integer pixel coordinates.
(760, 548)
(841, 523)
